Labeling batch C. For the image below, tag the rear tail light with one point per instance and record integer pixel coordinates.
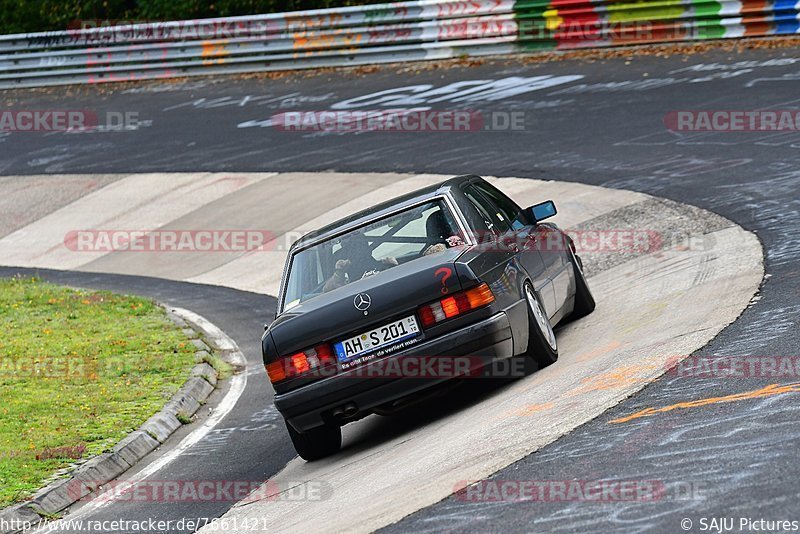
(300, 363)
(454, 305)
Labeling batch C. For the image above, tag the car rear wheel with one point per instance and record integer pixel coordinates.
(542, 344)
(316, 443)
(584, 301)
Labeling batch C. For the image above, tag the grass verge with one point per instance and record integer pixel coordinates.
(79, 370)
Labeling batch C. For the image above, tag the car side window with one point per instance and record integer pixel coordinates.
(494, 217)
(506, 207)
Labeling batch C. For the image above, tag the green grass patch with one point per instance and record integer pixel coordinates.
(79, 370)
(224, 369)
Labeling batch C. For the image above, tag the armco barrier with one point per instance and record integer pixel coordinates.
(378, 33)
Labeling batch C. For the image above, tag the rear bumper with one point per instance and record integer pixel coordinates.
(312, 405)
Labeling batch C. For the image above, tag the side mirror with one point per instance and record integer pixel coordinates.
(542, 211)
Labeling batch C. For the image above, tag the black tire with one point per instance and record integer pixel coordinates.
(542, 344)
(317, 443)
(584, 301)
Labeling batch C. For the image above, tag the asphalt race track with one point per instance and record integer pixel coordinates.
(691, 293)
(600, 123)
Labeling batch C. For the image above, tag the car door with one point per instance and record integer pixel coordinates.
(517, 232)
(555, 253)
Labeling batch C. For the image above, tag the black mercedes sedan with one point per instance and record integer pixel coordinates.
(377, 309)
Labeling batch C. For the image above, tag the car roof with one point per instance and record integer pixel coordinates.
(376, 212)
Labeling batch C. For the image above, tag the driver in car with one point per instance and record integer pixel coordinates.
(355, 261)
(441, 235)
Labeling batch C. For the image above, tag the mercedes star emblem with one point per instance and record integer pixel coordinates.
(362, 302)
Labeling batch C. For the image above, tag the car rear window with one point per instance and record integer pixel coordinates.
(402, 237)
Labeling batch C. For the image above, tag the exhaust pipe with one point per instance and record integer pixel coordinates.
(345, 411)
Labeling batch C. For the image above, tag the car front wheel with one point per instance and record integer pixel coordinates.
(316, 443)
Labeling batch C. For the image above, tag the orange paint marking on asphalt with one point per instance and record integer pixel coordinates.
(616, 378)
(524, 411)
(614, 345)
(532, 408)
(768, 391)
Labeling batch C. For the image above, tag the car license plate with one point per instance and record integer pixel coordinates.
(376, 339)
